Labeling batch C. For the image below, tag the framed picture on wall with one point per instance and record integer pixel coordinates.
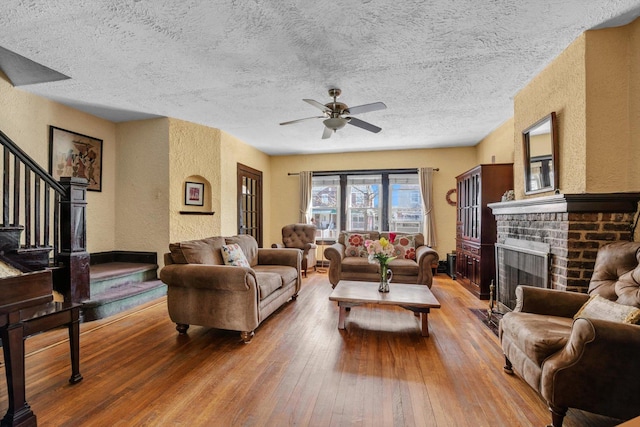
(194, 194)
(75, 155)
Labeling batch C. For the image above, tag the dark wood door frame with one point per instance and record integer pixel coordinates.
(249, 196)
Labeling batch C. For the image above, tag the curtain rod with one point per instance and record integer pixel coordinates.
(361, 172)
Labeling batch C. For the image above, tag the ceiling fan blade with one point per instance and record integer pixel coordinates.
(363, 125)
(365, 108)
(327, 133)
(301, 120)
(318, 105)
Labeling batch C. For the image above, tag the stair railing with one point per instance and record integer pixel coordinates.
(52, 215)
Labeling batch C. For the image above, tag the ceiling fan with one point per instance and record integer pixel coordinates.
(338, 114)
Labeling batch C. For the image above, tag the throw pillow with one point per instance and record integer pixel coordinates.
(601, 308)
(354, 244)
(233, 255)
(405, 246)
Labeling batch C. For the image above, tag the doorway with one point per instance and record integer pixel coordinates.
(250, 202)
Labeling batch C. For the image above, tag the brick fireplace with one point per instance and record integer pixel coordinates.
(573, 225)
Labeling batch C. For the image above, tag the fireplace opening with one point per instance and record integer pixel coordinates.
(519, 262)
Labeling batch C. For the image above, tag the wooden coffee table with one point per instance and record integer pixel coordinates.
(416, 298)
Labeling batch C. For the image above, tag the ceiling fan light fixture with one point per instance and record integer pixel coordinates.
(335, 123)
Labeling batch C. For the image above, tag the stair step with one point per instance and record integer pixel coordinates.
(115, 274)
(118, 286)
(121, 297)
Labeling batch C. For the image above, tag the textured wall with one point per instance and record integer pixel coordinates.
(451, 161)
(633, 153)
(607, 127)
(497, 147)
(194, 151)
(560, 87)
(234, 151)
(142, 174)
(613, 108)
(25, 118)
(594, 86)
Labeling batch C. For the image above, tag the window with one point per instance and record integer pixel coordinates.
(325, 196)
(366, 200)
(363, 211)
(406, 204)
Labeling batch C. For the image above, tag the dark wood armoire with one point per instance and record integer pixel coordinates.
(475, 225)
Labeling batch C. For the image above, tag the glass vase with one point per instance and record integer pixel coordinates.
(385, 277)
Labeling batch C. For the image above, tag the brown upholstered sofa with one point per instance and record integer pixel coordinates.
(343, 267)
(202, 290)
(586, 363)
(303, 237)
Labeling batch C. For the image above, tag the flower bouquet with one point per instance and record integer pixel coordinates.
(382, 252)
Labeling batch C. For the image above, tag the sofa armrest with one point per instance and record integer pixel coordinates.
(426, 257)
(334, 254)
(550, 302)
(280, 256)
(217, 277)
(307, 247)
(597, 368)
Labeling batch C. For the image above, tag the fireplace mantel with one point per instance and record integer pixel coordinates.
(560, 203)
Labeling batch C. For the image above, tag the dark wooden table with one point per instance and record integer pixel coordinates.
(416, 298)
(15, 327)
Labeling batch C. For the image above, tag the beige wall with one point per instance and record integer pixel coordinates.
(25, 119)
(594, 87)
(194, 155)
(497, 147)
(560, 87)
(142, 175)
(450, 161)
(233, 152)
(610, 92)
(633, 148)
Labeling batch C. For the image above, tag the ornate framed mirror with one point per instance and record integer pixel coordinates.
(540, 148)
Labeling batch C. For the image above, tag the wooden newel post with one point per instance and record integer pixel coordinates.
(73, 256)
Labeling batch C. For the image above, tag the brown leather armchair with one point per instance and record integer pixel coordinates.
(584, 363)
(303, 237)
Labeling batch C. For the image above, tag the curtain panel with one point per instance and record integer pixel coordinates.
(425, 175)
(305, 196)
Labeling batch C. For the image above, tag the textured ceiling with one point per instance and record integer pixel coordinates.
(446, 69)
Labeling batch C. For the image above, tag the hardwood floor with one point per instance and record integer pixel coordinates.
(298, 370)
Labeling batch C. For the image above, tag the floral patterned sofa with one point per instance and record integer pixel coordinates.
(348, 259)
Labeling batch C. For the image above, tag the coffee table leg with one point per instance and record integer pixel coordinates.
(342, 315)
(425, 323)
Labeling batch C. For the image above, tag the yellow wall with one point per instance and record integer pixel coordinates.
(233, 152)
(594, 87)
(497, 147)
(450, 161)
(560, 87)
(142, 174)
(610, 93)
(194, 151)
(633, 148)
(25, 119)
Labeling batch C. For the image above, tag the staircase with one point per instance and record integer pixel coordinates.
(43, 227)
(119, 281)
